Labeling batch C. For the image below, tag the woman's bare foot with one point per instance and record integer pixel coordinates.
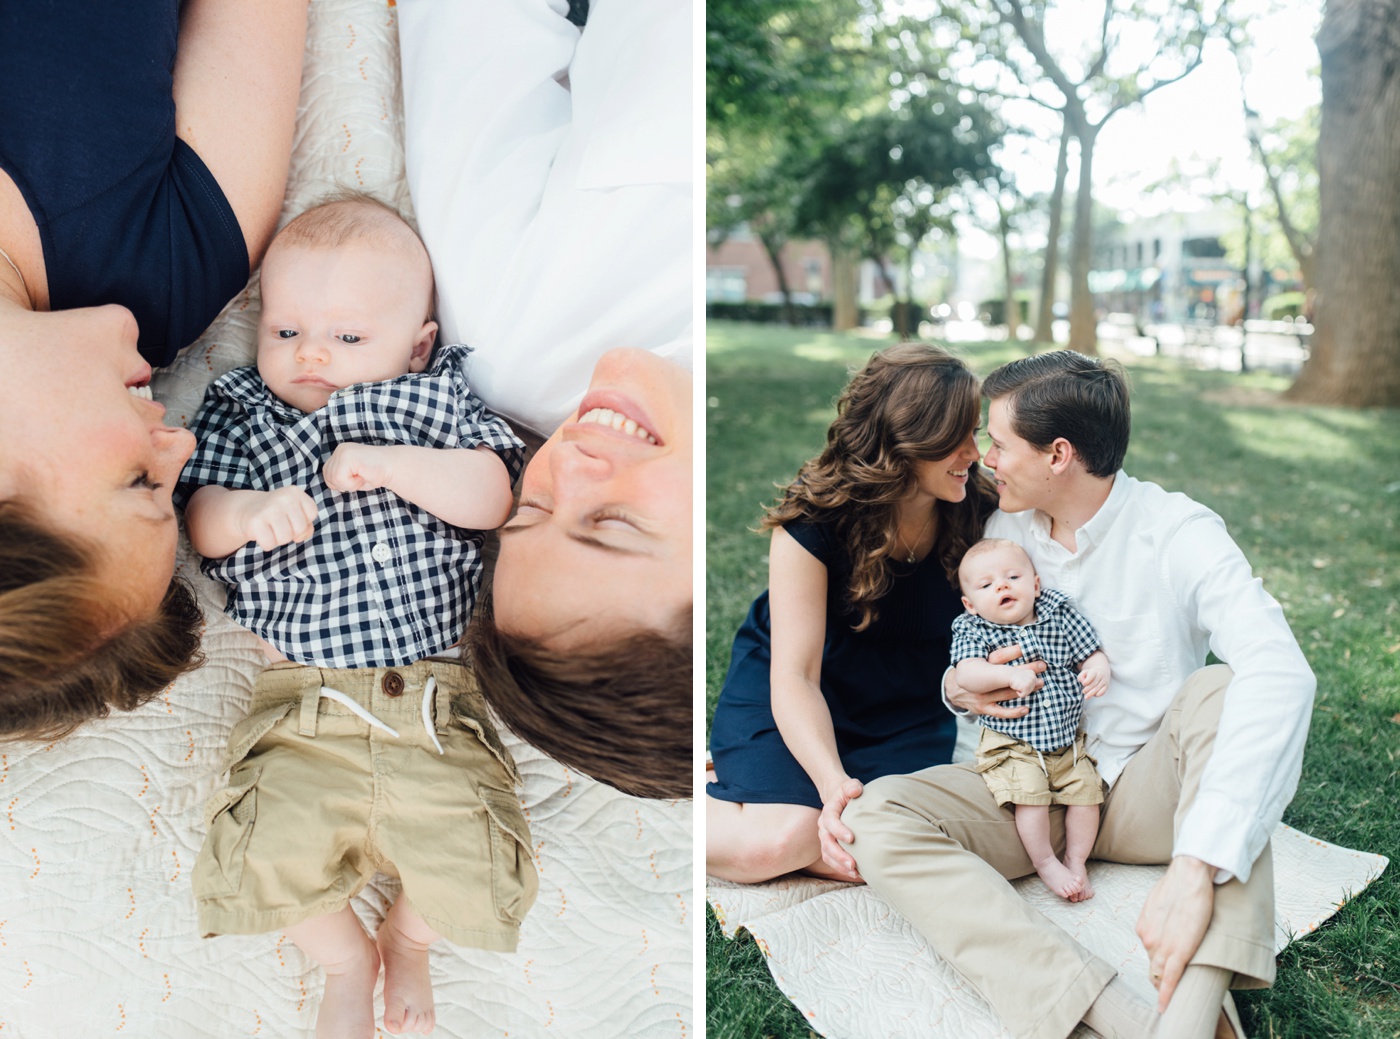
(408, 988)
(1081, 872)
(1058, 878)
(347, 1008)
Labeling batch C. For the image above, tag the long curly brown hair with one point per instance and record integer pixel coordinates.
(912, 402)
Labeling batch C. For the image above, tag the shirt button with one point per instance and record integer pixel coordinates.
(381, 553)
(393, 684)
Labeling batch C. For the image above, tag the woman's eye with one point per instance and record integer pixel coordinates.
(614, 520)
(348, 338)
(286, 333)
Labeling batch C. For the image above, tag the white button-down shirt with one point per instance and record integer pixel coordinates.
(1163, 582)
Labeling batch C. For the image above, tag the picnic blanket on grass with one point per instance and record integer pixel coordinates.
(855, 968)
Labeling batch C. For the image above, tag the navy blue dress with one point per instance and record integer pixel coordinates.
(881, 684)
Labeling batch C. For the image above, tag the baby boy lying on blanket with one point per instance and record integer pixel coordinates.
(340, 489)
(1038, 759)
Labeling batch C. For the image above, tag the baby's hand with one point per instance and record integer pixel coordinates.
(1093, 674)
(279, 517)
(358, 467)
(1023, 680)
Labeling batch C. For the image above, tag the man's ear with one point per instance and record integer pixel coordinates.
(1062, 455)
(423, 347)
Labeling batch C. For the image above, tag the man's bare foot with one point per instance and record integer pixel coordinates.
(347, 1008)
(1058, 878)
(1081, 871)
(408, 988)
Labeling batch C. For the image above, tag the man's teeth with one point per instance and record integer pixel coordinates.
(141, 391)
(616, 420)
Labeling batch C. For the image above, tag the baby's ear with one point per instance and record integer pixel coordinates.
(967, 605)
(423, 347)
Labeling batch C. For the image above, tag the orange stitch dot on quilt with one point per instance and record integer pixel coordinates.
(258, 1027)
(654, 872)
(358, 163)
(681, 899)
(37, 864)
(348, 138)
(3, 944)
(563, 904)
(122, 1011)
(645, 942)
(568, 783)
(681, 1021)
(10, 812)
(191, 752)
(166, 998)
(655, 967)
(639, 824)
(147, 781)
(176, 856)
(141, 942)
(383, 109)
(550, 1005)
(131, 895)
(526, 971)
(361, 67)
(4, 767)
(301, 983)
(539, 848)
(30, 979)
(352, 37)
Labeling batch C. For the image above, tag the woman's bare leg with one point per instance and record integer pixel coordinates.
(237, 81)
(341, 948)
(749, 843)
(404, 938)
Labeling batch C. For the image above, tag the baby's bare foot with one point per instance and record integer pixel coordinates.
(408, 988)
(1058, 878)
(1081, 871)
(347, 1008)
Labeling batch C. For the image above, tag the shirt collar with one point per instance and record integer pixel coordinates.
(1093, 532)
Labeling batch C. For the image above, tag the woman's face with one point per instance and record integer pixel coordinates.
(95, 458)
(946, 479)
(601, 542)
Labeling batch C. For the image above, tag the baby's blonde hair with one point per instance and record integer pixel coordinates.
(986, 545)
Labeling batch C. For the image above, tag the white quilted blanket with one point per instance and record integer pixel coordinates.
(100, 831)
(856, 968)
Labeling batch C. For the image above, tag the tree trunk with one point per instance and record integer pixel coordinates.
(845, 273)
(1009, 309)
(773, 246)
(1083, 328)
(1355, 357)
(1045, 318)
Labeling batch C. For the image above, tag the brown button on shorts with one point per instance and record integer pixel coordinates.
(318, 800)
(1015, 775)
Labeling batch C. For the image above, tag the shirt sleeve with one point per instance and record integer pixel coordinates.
(1079, 633)
(1257, 758)
(479, 426)
(967, 641)
(220, 457)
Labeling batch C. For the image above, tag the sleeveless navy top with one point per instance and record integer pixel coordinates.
(127, 212)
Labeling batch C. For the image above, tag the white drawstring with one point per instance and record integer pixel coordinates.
(356, 709)
(429, 687)
(1041, 759)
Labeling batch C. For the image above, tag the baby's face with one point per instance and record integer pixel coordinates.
(1000, 585)
(336, 316)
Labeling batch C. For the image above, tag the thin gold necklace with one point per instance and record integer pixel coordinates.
(909, 557)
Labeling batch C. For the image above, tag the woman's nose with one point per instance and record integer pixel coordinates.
(174, 445)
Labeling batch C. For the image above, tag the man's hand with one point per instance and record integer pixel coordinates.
(359, 467)
(1174, 920)
(833, 832)
(279, 517)
(989, 703)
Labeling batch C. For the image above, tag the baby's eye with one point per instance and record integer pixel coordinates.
(286, 333)
(348, 337)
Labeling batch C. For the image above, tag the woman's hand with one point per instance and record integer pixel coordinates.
(833, 833)
(988, 702)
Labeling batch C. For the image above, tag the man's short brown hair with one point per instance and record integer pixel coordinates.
(1066, 394)
(619, 712)
(62, 660)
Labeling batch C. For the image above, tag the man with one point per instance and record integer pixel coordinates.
(1199, 761)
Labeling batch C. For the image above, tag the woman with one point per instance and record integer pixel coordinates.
(137, 192)
(834, 675)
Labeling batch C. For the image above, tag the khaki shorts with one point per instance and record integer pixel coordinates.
(318, 800)
(1015, 775)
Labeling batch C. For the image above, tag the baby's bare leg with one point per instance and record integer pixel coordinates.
(1081, 827)
(404, 938)
(339, 944)
(1033, 826)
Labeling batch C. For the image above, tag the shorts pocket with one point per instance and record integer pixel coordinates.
(229, 814)
(250, 730)
(470, 711)
(513, 880)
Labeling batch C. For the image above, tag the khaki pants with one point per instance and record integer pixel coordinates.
(937, 847)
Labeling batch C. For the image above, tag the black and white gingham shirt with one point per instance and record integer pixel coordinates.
(380, 582)
(1061, 637)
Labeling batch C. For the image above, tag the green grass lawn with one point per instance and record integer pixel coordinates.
(1312, 495)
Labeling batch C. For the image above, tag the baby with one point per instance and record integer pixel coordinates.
(340, 489)
(1036, 760)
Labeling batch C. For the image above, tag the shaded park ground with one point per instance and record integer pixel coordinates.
(1311, 494)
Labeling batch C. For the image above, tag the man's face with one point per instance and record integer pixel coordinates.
(601, 542)
(1022, 471)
